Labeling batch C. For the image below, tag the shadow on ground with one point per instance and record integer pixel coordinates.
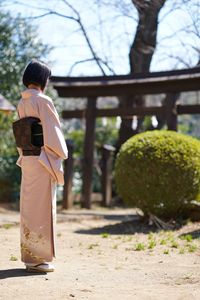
(195, 234)
(127, 227)
(10, 273)
(132, 224)
(76, 216)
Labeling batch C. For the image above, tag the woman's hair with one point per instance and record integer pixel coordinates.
(36, 72)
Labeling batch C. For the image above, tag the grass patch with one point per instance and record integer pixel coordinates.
(7, 226)
(13, 258)
(169, 236)
(139, 247)
(152, 244)
(192, 247)
(105, 235)
(174, 244)
(187, 237)
(182, 251)
(163, 242)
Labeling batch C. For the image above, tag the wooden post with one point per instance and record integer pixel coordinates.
(88, 153)
(171, 111)
(106, 179)
(68, 176)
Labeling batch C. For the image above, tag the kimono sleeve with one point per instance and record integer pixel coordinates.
(53, 137)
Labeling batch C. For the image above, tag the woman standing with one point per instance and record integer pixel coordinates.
(41, 172)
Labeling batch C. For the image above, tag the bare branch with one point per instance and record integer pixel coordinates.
(85, 35)
(179, 60)
(77, 63)
(52, 13)
(78, 20)
(72, 8)
(169, 12)
(87, 60)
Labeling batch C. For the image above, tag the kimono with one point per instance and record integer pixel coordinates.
(40, 175)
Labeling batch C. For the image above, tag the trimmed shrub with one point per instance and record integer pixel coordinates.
(159, 172)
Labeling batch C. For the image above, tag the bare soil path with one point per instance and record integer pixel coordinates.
(105, 254)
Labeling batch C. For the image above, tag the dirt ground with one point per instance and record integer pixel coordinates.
(105, 254)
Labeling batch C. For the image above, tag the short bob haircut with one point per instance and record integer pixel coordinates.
(36, 72)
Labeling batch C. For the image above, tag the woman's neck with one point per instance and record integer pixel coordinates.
(35, 87)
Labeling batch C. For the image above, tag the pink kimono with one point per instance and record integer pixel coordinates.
(40, 174)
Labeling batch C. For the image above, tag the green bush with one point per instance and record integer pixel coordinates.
(9, 179)
(104, 134)
(159, 172)
(9, 171)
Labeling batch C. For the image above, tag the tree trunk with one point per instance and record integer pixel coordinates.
(144, 43)
(140, 56)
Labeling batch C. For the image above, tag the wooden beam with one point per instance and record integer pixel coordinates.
(134, 111)
(71, 114)
(68, 175)
(152, 83)
(131, 88)
(188, 109)
(114, 112)
(88, 153)
(106, 177)
(171, 111)
(129, 112)
(71, 79)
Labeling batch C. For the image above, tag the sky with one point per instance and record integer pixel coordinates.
(111, 31)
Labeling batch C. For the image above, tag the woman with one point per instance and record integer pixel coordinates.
(41, 171)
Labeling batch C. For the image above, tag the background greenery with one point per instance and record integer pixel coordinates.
(9, 171)
(18, 45)
(104, 134)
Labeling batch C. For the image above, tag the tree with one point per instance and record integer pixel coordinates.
(18, 44)
(140, 56)
(179, 44)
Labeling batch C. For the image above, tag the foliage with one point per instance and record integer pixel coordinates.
(19, 43)
(189, 124)
(9, 171)
(7, 144)
(104, 134)
(77, 138)
(159, 172)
